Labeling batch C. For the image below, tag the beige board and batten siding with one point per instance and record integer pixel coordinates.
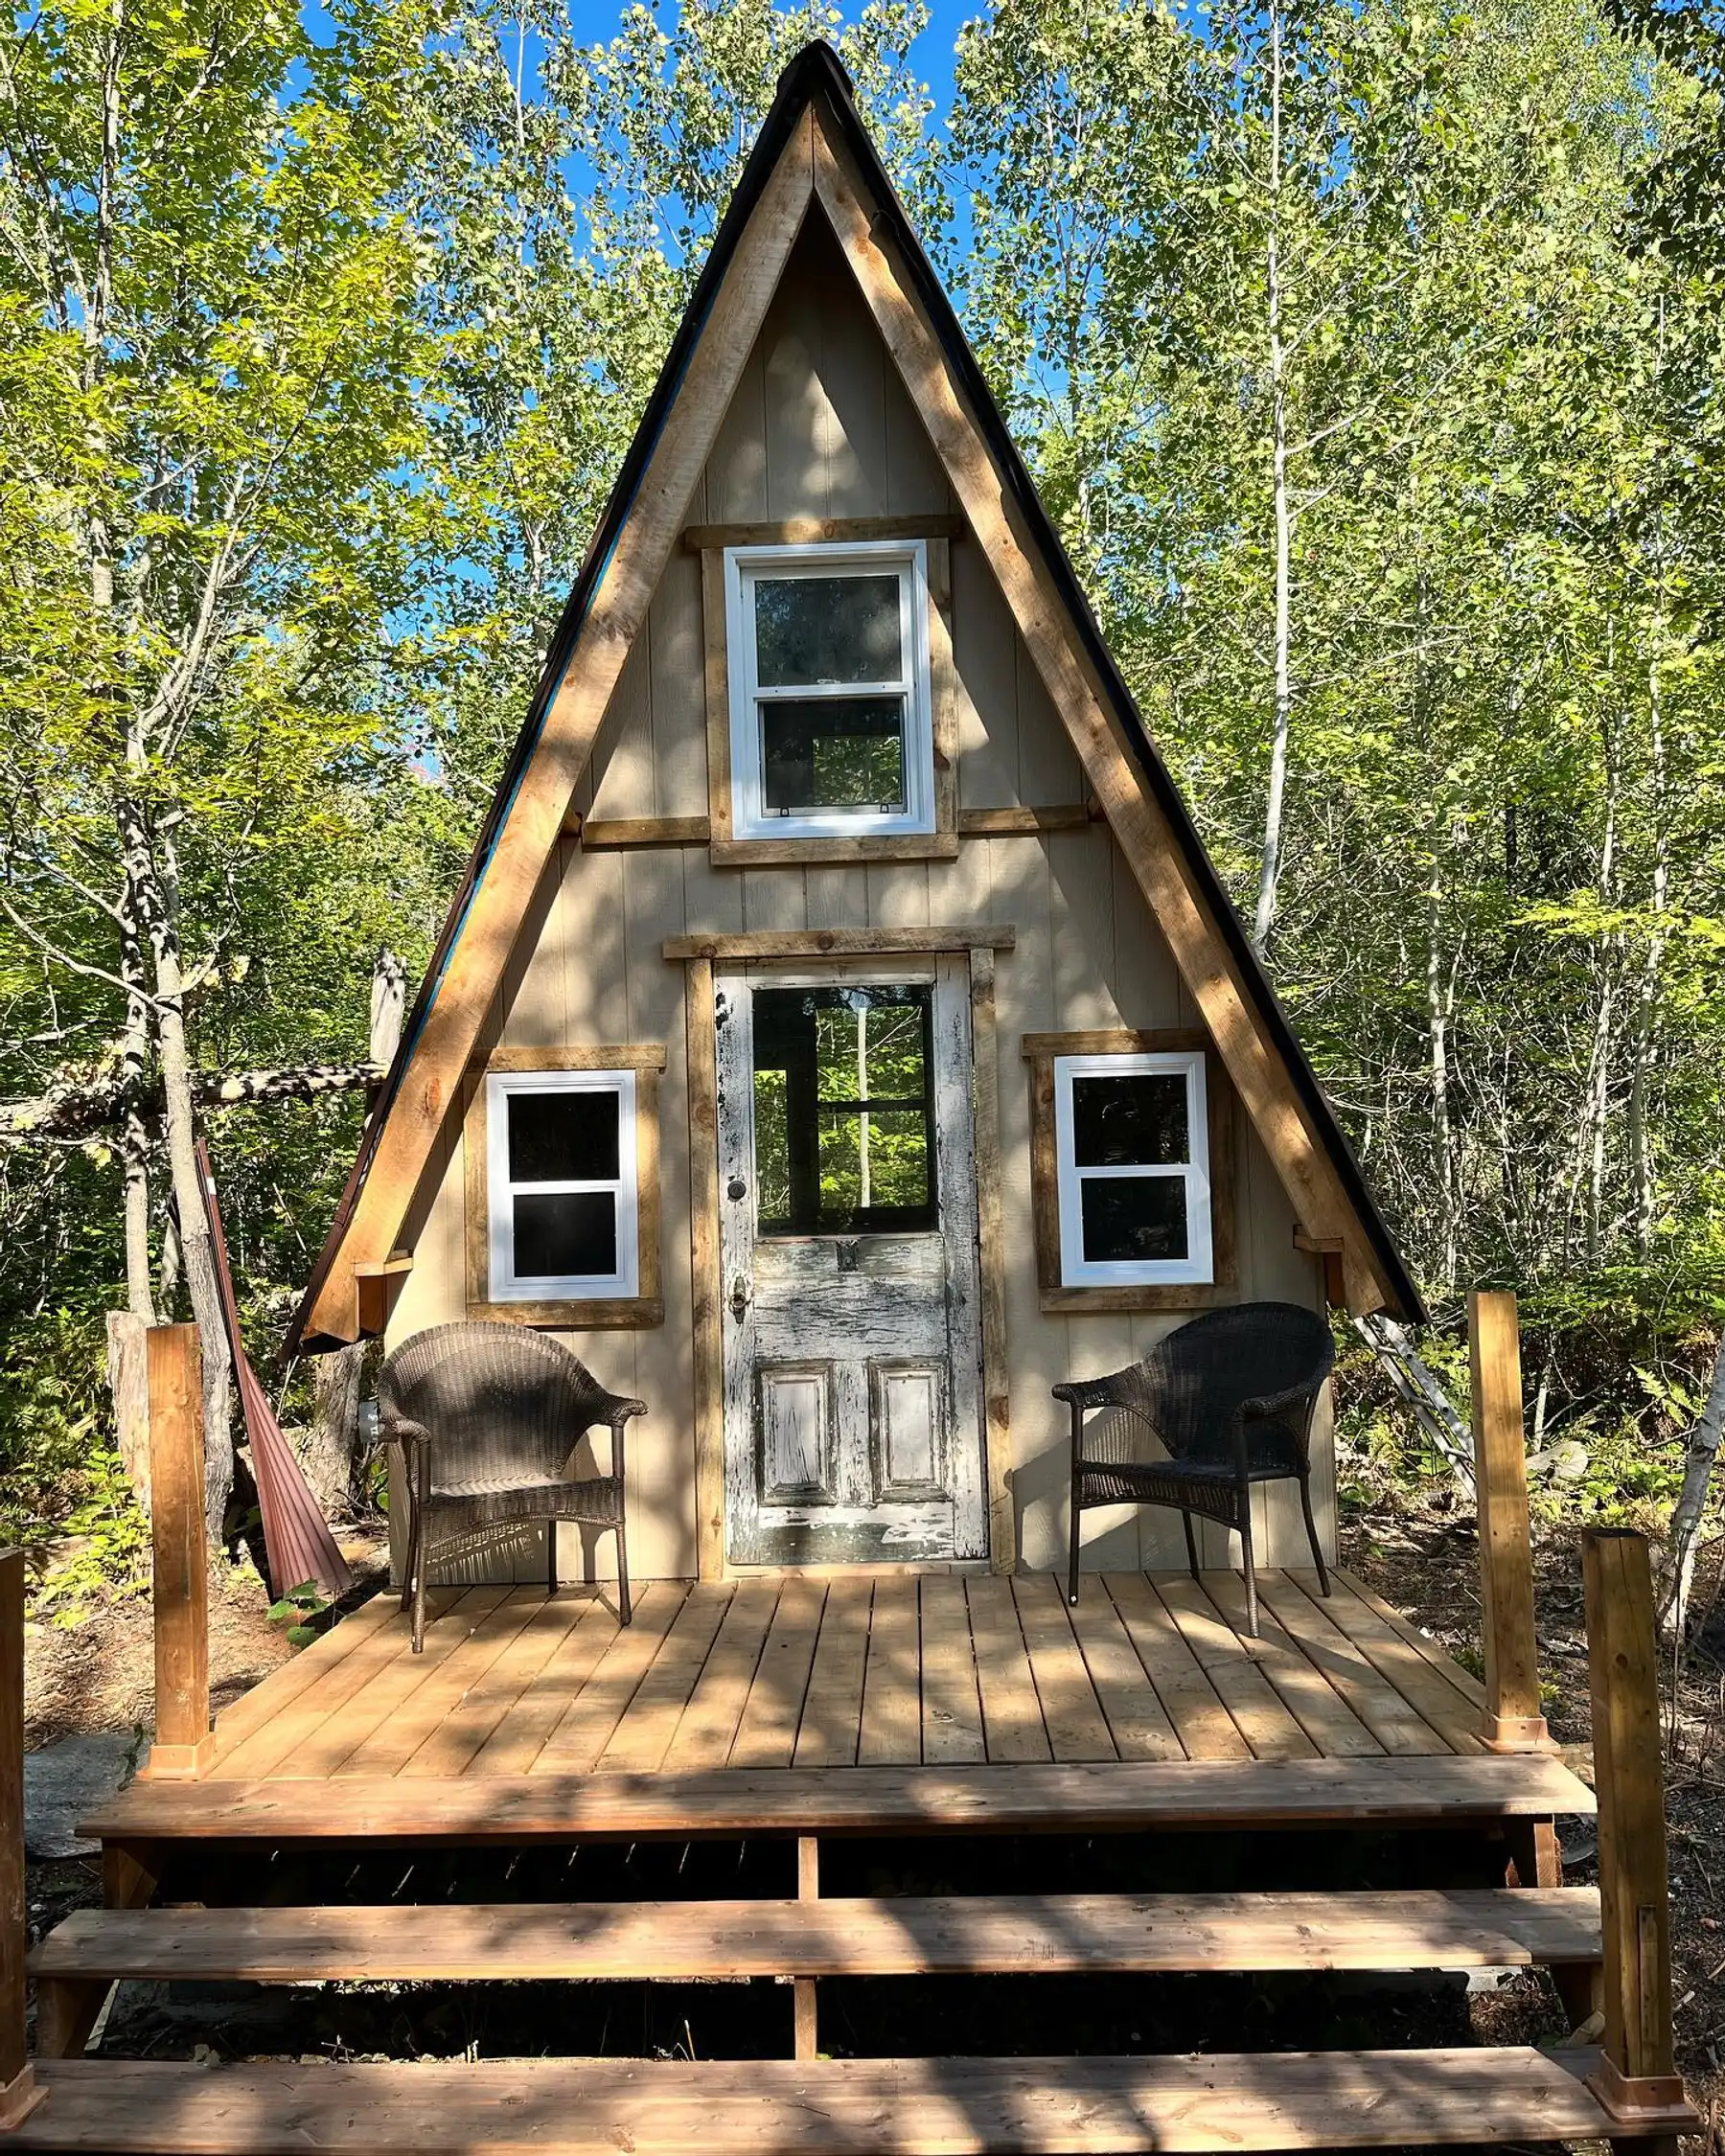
(821, 426)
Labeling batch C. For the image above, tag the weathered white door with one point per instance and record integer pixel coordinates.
(847, 1196)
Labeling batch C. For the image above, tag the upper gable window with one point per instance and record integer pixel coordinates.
(830, 728)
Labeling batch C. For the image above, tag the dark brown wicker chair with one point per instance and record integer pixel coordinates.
(487, 1418)
(1228, 1399)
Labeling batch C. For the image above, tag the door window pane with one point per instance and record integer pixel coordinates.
(563, 1137)
(566, 1234)
(844, 1133)
(1136, 1122)
(833, 752)
(1130, 1218)
(827, 628)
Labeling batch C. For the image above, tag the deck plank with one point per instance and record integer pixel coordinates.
(892, 1733)
(317, 1732)
(574, 1747)
(452, 1746)
(1012, 1723)
(1231, 1664)
(1106, 1795)
(1303, 1690)
(1435, 1652)
(1419, 1680)
(1136, 1719)
(1071, 1712)
(952, 1706)
(709, 1722)
(904, 1936)
(640, 1740)
(832, 1716)
(398, 1730)
(521, 1734)
(1095, 2106)
(1203, 1723)
(275, 1693)
(766, 1733)
(1397, 1726)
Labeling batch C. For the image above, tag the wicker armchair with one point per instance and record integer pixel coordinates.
(1227, 1401)
(487, 1418)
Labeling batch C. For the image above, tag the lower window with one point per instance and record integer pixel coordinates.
(561, 1185)
(1132, 1165)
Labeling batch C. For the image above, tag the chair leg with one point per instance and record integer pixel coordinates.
(1252, 1621)
(624, 1613)
(1185, 1521)
(419, 1604)
(551, 1556)
(1305, 1506)
(1077, 1511)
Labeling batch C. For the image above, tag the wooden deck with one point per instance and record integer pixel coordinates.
(940, 1670)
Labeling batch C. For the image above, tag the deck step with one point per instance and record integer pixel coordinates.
(1106, 1797)
(826, 2107)
(1006, 1934)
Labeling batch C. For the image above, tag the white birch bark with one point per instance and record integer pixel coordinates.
(1691, 1499)
(1269, 870)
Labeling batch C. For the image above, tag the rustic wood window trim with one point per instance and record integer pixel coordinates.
(726, 849)
(646, 1307)
(1041, 1049)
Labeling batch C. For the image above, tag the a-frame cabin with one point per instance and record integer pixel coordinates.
(831, 771)
(841, 1039)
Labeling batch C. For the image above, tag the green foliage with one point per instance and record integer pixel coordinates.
(301, 1610)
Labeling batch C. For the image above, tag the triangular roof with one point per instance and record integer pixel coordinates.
(814, 151)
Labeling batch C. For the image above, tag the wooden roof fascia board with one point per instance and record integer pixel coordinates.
(1160, 844)
(487, 916)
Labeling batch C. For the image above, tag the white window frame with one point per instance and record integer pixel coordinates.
(750, 817)
(500, 1193)
(1198, 1265)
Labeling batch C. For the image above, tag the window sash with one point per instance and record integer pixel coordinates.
(1198, 1265)
(506, 1284)
(751, 816)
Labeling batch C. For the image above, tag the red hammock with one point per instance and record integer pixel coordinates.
(297, 1543)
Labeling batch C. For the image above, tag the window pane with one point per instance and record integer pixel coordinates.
(773, 1146)
(827, 628)
(564, 1138)
(1128, 1219)
(566, 1232)
(833, 752)
(1137, 1120)
(826, 1161)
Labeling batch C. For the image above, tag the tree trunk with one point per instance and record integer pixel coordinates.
(1269, 870)
(1691, 1499)
(128, 1384)
(339, 1378)
(1640, 1138)
(155, 887)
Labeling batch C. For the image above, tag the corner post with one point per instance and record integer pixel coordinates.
(1637, 2081)
(19, 2094)
(1512, 1719)
(184, 1744)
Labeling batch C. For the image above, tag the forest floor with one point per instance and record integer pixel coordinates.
(96, 1677)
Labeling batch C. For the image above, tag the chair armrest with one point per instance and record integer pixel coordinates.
(610, 1408)
(397, 1429)
(1278, 1403)
(1088, 1393)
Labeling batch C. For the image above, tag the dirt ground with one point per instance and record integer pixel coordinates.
(98, 1676)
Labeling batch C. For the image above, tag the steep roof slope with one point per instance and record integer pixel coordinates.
(814, 154)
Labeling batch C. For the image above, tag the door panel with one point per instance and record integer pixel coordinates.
(853, 1426)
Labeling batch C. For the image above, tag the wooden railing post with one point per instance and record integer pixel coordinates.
(1513, 1721)
(183, 1743)
(1637, 2081)
(19, 2094)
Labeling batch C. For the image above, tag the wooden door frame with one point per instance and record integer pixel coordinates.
(706, 1311)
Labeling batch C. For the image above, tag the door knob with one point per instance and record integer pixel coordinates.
(739, 1300)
